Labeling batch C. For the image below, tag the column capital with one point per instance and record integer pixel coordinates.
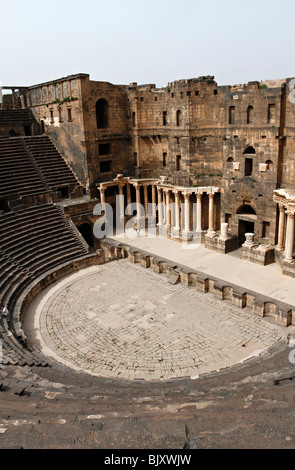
(290, 214)
(282, 208)
(211, 195)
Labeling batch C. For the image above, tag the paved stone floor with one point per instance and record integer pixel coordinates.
(266, 280)
(121, 320)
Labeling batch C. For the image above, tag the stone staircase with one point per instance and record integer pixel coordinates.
(54, 169)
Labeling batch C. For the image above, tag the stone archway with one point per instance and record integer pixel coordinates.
(86, 231)
(246, 221)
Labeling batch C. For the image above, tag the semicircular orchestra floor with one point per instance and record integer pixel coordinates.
(120, 320)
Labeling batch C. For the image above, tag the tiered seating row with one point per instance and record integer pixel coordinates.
(18, 174)
(9, 116)
(32, 242)
(53, 167)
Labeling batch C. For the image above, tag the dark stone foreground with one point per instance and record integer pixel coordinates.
(241, 408)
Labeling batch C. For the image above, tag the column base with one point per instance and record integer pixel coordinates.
(200, 235)
(211, 234)
(187, 235)
(175, 232)
(162, 230)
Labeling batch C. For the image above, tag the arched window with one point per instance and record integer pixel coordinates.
(102, 114)
(269, 164)
(246, 209)
(250, 112)
(250, 151)
(164, 159)
(178, 117)
(230, 160)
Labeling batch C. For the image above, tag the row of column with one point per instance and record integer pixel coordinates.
(286, 232)
(163, 196)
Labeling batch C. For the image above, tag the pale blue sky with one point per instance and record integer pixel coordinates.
(156, 41)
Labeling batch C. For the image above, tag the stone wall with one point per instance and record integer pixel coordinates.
(58, 106)
(239, 138)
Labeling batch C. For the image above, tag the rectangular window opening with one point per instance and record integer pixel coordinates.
(104, 149)
(232, 114)
(248, 166)
(164, 159)
(105, 166)
(164, 118)
(178, 162)
(271, 114)
(70, 114)
(265, 229)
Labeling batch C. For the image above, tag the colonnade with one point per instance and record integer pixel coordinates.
(172, 205)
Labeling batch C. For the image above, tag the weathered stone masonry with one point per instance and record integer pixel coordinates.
(193, 132)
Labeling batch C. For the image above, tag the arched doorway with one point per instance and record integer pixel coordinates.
(247, 218)
(87, 233)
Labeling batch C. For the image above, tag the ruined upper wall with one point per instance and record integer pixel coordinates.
(58, 106)
(201, 103)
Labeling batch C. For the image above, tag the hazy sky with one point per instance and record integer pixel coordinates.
(156, 41)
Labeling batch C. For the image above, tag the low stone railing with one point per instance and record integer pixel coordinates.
(261, 305)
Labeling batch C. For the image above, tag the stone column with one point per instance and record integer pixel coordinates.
(168, 212)
(138, 202)
(121, 201)
(211, 212)
(290, 236)
(102, 197)
(249, 240)
(129, 210)
(177, 211)
(160, 207)
(281, 236)
(186, 212)
(146, 201)
(199, 212)
(224, 232)
(154, 202)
